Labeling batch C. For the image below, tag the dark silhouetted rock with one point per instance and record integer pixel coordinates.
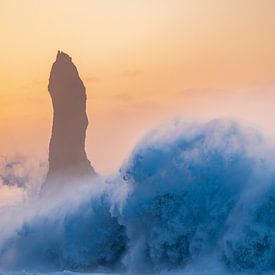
(67, 157)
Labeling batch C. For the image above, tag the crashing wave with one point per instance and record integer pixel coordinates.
(189, 195)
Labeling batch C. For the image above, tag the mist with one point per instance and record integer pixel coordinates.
(190, 196)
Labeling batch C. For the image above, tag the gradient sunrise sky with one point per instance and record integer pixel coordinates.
(142, 62)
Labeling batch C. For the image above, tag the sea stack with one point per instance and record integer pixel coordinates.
(68, 161)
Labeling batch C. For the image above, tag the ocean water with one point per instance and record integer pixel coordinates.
(190, 199)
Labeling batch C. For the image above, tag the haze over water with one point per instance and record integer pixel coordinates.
(142, 62)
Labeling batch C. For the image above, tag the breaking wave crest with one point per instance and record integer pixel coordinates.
(190, 197)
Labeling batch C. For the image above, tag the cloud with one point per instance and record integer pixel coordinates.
(258, 84)
(131, 73)
(37, 83)
(123, 97)
(91, 79)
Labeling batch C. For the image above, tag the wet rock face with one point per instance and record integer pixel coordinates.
(67, 156)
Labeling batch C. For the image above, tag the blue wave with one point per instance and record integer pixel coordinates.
(190, 195)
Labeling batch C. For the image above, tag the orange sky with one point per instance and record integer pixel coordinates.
(142, 61)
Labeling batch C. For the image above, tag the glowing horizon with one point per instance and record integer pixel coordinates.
(141, 62)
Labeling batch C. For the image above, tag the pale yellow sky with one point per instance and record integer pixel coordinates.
(141, 61)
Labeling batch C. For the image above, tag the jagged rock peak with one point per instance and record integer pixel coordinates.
(67, 157)
(64, 76)
(62, 56)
